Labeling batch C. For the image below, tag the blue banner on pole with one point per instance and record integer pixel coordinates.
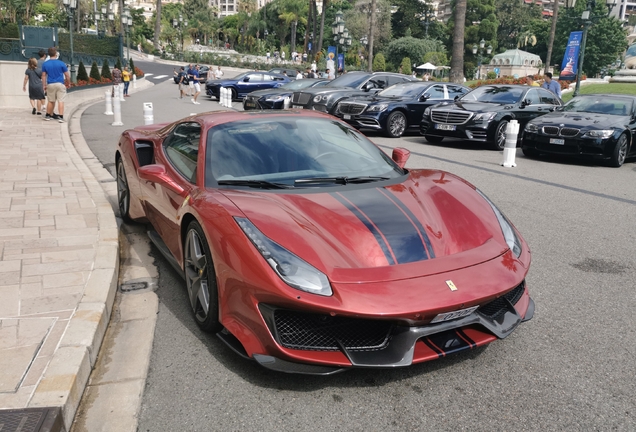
(570, 64)
(341, 62)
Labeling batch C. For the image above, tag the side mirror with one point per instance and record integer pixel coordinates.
(525, 103)
(400, 156)
(366, 87)
(456, 97)
(246, 79)
(425, 97)
(156, 173)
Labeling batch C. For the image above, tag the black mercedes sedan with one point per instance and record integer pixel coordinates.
(600, 126)
(275, 98)
(327, 98)
(483, 114)
(397, 108)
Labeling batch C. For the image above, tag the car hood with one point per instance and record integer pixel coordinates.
(582, 120)
(272, 92)
(433, 222)
(476, 106)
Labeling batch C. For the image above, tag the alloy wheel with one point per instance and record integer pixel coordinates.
(500, 135)
(123, 192)
(196, 273)
(397, 124)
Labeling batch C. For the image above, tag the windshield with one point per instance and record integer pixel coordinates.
(298, 84)
(500, 94)
(403, 89)
(352, 80)
(286, 149)
(241, 76)
(600, 105)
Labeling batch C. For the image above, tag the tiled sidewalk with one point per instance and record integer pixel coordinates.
(58, 262)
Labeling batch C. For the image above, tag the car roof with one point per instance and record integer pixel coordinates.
(214, 118)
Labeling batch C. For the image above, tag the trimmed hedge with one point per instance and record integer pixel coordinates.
(106, 70)
(90, 44)
(95, 72)
(81, 72)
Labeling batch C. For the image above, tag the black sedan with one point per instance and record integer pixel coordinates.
(245, 83)
(398, 107)
(483, 114)
(275, 98)
(600, 126)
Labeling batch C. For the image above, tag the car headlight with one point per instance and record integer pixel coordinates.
(274, 98)
(508, 231)
(604, 133)
(484, 116)
(531, 127)
(320, 98)
(377, 108)
(427, 112)
(292, 270)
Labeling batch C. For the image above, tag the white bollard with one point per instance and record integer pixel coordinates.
(286, 103)
(221, 95)
(148, 116)
(510, 149)
(134, 81)
(121, 92)
(109, 103)
(116, 111)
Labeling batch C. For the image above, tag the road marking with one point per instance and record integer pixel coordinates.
(159, 76)
(148, 74)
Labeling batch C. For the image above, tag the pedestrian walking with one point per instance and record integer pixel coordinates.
(116, 78)
(551, 84)
(195, 84)
(305, 57)
(299, 74)
(182, 80)
(41, 60)
(268, 56)
(313, 66)
(331, 74)
(55, 80)
(282, 56)
(190, 80)
(33, 77)
(219, 73)
(125, 76)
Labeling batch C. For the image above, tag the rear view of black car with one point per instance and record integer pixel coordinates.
(483, 114)
(275, 98)
(397, 108)
(599, 126)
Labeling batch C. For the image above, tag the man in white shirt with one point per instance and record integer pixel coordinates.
(299, 75)
(282, 55)
(219, 73)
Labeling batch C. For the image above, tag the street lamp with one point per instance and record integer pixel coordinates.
(427, 20)
(480, 50)
(179, 24)
(587, 23)
(340, 36)
(70, 6)
(127, 21)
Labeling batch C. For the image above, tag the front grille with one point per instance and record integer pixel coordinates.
(550, 130)
(317, 332)
(569, 132)
(351, 108)
(498, 307)
(301, 98)
(450, 117)
(320, 108)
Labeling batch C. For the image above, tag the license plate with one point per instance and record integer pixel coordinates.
(558, 141)
(454, 315)
(297, 106)
(347, 117)
(445, 127)
(250, 104)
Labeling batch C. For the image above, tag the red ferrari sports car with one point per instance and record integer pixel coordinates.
(309, 250)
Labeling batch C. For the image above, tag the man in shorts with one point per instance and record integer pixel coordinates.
(196, 84)
(190, 80)
(55, 80)
(182, 79)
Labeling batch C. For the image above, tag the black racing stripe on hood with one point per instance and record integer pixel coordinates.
(365, 220)
(402, 236)
(415, 220)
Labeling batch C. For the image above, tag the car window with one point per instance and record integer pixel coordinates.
(455, 91)
(395, 79)
(182, 149)
(377, 82)
(254, 77)
(533, 97)
(436, 92)
(547, 97)
(266, 77)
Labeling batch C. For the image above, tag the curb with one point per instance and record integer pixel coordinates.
(67, 374)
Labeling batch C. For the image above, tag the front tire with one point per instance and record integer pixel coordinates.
(234, 93)
(620, 152)
(201, 279)
(123, 192)
(396, 124)
(500, 136)
(434, 139)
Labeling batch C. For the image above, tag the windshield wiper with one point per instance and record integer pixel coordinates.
(339, 180)
(253, 183)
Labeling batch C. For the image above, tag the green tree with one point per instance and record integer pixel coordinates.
(95, 72)
(458, 30)
(118, 63)
(515, 18)
(131, 65)
(406, 66)
(81, 72)
(379, 64)
(412, 48)
(408, 16)
(436, 58)
(106, 70)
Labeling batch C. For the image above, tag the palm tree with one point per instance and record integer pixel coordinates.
(457, 60)
(555, 13)
(325, 4)
(157, 26)
(295, 12)
(371, 38)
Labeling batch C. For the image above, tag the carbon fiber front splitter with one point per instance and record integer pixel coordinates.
(399, 352)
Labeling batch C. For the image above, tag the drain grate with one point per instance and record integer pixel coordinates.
(31, 420)
(133, 286)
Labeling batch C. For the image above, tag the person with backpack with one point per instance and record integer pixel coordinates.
(182, 79)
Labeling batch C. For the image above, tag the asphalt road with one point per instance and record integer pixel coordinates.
(572, 367)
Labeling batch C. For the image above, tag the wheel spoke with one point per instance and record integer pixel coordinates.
(204, 297)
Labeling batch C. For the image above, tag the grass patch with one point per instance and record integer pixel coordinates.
(611, 88)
